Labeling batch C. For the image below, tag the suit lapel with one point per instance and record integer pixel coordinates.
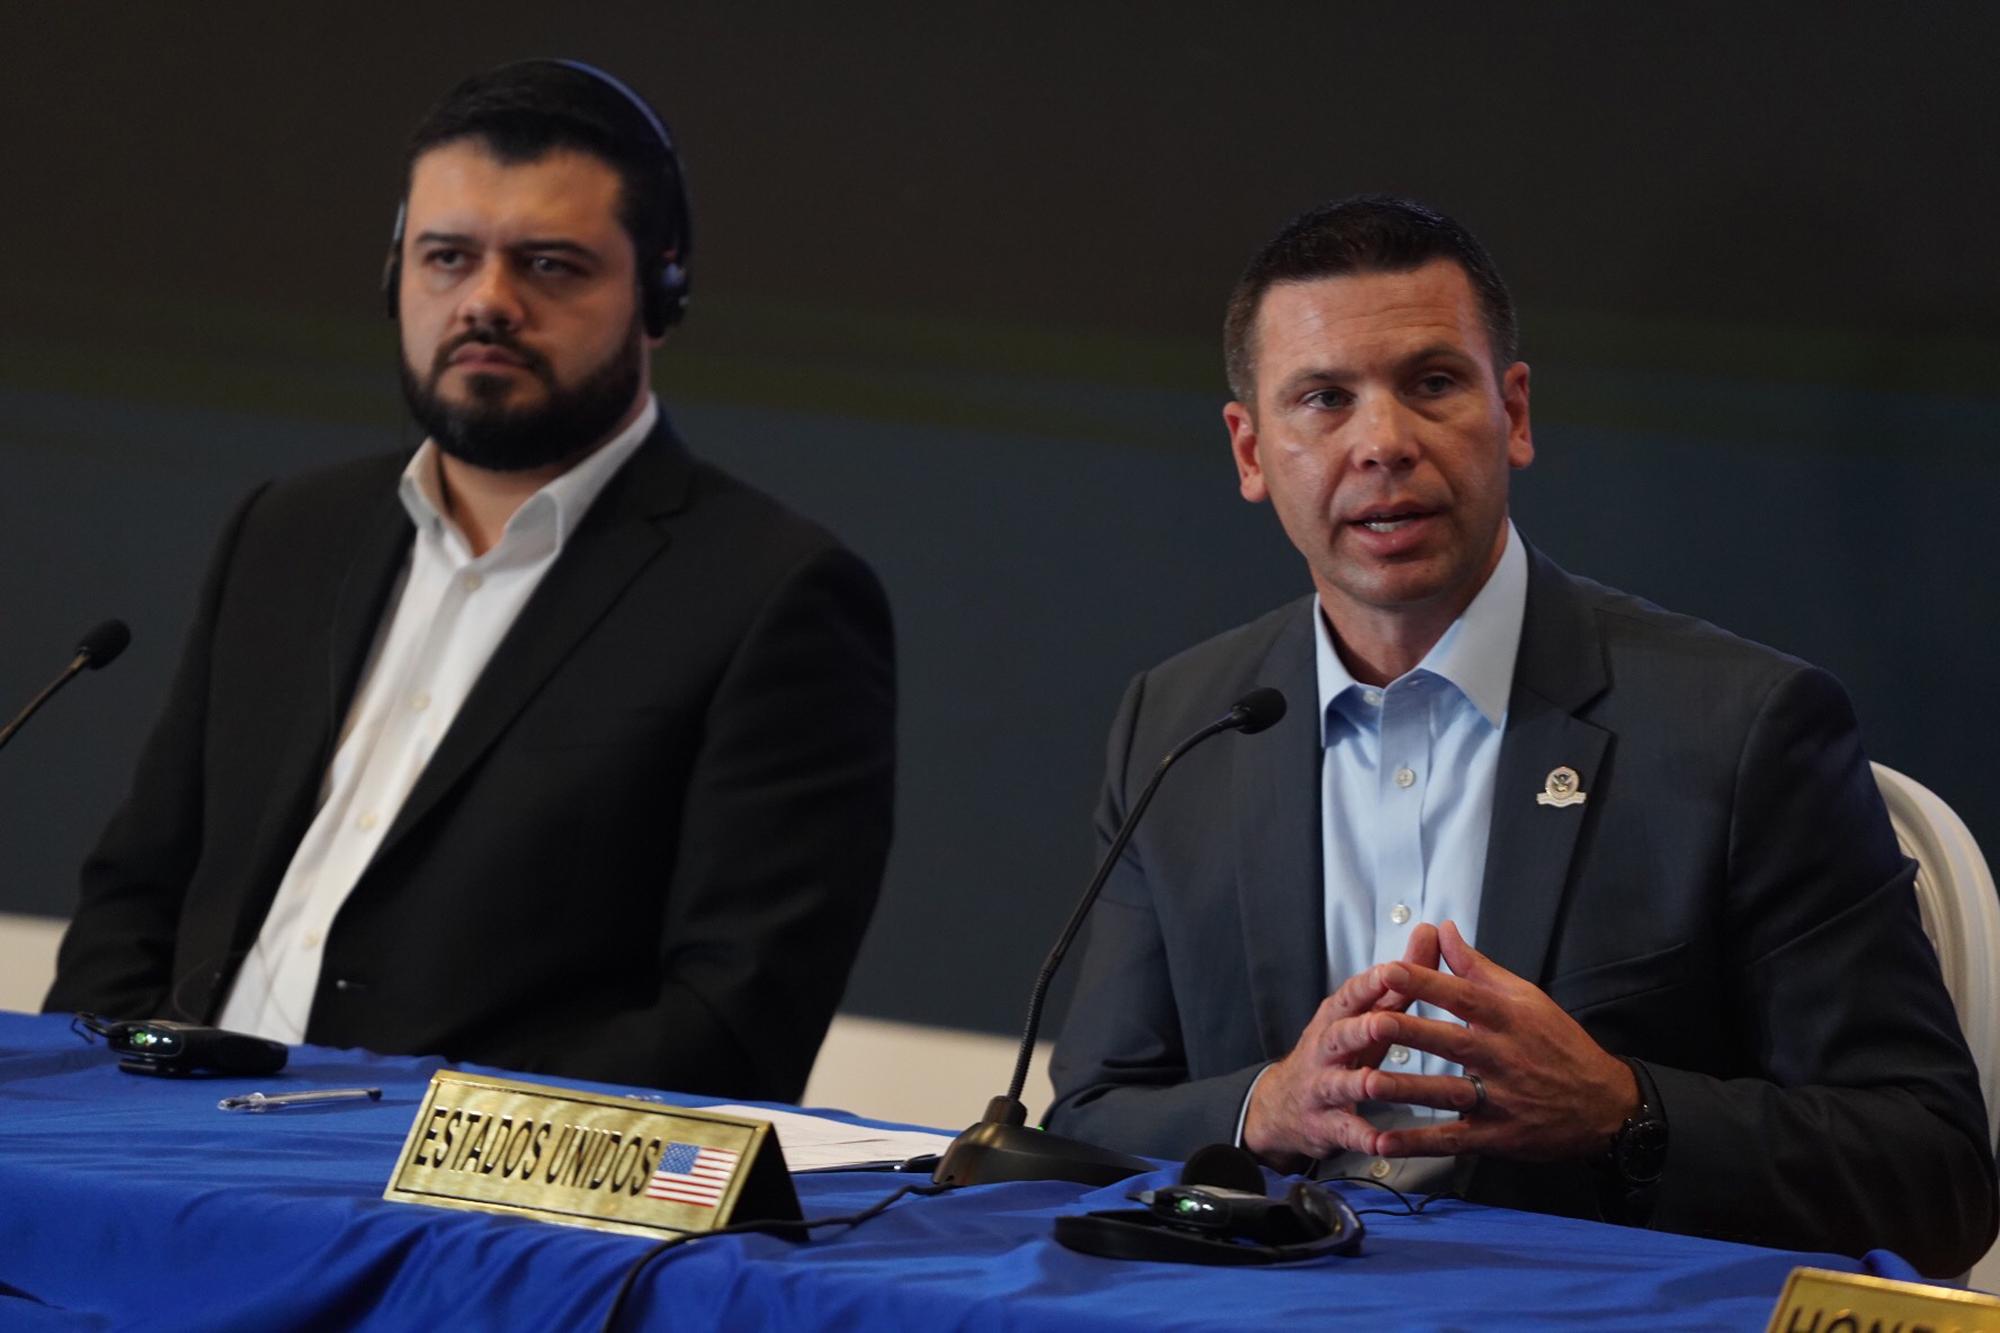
(1276, 792)
(359, 605)
(617, 538)
(1560, 669)
(382, 542)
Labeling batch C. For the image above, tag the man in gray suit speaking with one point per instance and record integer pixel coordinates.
(1540, 893)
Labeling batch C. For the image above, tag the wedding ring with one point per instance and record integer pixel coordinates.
(1478, 1093)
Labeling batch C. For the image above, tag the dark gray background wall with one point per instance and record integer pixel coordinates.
(958, 274)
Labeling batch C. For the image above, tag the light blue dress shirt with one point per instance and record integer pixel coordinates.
(1406, 800)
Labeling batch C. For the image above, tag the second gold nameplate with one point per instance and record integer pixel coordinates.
(1817, 1300)
(589, 1159)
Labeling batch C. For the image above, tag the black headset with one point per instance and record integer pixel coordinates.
(663, 288)
(1219, 1214)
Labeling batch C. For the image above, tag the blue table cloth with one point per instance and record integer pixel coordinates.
(134, 1203)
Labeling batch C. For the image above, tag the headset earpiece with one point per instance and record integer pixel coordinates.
(392, 267)
(1319, 1209)
(1226, 1165)
(664, 301)
(1219, 1214)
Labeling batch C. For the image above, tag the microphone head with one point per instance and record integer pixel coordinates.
(1255, 711)
(103, 644)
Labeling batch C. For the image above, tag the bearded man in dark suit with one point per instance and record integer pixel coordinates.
(551, 747)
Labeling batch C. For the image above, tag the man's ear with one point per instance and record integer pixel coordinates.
(1242, 426)
(1520, 435)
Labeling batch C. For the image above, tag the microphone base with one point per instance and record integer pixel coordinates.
(992, 1151)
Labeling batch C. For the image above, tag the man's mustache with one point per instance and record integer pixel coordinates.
(533, 362)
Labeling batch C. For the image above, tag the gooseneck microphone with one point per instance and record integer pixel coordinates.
(1251, 714)
(97, 649)
(1001, 1146)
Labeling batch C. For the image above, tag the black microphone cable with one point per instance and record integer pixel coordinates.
(640, 1264)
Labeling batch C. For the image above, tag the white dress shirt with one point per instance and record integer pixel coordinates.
(449, 612)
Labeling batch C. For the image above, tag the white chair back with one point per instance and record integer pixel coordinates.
(1961, 914)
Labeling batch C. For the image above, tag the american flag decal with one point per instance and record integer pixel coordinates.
(692, 1174)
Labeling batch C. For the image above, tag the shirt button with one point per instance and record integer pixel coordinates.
(1399, 1054)
(1399, 914)
(1372, 696)
(419, 702)
(1380, 1168)
(311, 939)
(472, 582)
(367, 821)
(1404, 777)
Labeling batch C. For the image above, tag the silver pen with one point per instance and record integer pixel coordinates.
(257, 1101)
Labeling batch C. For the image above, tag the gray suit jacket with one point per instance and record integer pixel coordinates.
(1729, 905)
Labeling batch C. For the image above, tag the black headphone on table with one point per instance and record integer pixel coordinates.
(1219, 1214)
(663, 287)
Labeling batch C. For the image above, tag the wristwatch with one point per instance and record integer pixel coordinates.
(1638, 1152)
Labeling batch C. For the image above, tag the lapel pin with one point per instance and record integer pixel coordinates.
(1561, 788)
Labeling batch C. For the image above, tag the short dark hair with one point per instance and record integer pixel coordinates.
(1368, 233)
(524, 111)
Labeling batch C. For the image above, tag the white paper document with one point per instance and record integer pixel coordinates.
(819, 1143)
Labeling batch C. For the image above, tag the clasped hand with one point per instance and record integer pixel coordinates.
(1551, 1092)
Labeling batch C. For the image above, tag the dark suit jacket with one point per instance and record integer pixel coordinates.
(1729, 905)
(645, 850)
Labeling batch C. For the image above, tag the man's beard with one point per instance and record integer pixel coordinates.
(487, 434)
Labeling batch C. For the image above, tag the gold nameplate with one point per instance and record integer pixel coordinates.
(588, 1159)
(1817, 1300)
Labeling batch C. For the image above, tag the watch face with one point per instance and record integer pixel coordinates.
(1642, 1150)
